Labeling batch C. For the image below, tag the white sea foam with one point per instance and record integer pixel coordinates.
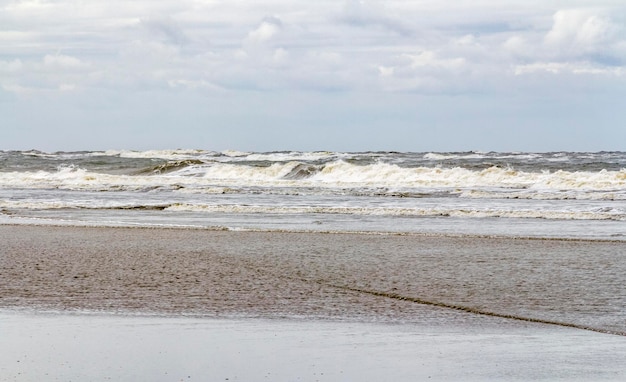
(235, 153)
(288, 156)
(178, 154)
(438, 156)
(340, 174)
(600, 214)
(386, 175)
(447, 156)
(310, 205)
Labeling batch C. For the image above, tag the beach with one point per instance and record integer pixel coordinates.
(543, 298)
(323, 191)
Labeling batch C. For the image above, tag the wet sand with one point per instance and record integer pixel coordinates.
(273, 274)
(61, 347)
(480, 303)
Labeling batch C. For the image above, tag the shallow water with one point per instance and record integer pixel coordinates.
(130, 348)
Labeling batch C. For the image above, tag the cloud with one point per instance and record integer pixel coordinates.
(580, 33)
(362, 13)
(269, 27)
(569, 68)
(44, 76)
(351, 46)
(62, 61)
(517, 45)
(429, 59)
(370, 63)
(578, 42)
(425, 71)
(11, 66)
(580, 28)
(165, 30)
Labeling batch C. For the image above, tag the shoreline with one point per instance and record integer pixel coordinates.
(426, 234)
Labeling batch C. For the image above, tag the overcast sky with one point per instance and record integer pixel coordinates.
(350, 75)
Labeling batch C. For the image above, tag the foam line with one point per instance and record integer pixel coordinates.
(471, 310)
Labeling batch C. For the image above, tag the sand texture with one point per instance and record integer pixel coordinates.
(273, 274)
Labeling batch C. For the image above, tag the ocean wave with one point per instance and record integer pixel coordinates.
(75, 178)
(227, 155)
(169, 166)
(448, 156)
(389, 175)
(87, 204)
(177, 154)
(337, 174)
(290, 156)
(112, 159)
(598, 214)
(603, 213)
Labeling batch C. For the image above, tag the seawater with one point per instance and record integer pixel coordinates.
(552, 195)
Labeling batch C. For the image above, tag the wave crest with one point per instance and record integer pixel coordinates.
(385, 178)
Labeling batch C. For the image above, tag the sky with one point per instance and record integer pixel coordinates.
(397, 75)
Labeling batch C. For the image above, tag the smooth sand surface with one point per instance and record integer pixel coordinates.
(57, 347)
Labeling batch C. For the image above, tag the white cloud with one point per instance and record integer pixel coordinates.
(569, 68)
(280, 56)
(579, 32)
(11, 66)
(517, 45)
(195, 84)
(386, 71)
(581, 41)
(579, 27)
(424, 71)
(429, 59)
(268, 28)
(62, 61)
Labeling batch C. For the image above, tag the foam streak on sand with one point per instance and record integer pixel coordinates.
(483, 312)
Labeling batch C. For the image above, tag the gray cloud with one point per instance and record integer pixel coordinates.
(165, 30)
(365, 14)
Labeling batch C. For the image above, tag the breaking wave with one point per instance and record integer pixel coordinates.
(599, 214)
(385, 178)
(459, 211)
(169, 166)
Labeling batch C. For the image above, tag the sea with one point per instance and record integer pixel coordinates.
(568, 195)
